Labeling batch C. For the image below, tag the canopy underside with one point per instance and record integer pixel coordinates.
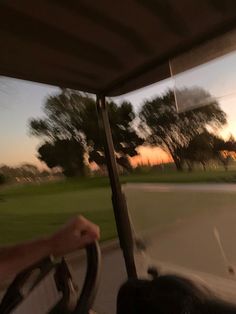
(104, 47)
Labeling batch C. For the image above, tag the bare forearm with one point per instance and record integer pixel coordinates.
(74, 235)
(16, 258)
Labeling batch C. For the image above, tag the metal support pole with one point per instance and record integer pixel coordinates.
(118, 198)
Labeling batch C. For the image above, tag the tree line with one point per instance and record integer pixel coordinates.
(71, 138)
(23, 173)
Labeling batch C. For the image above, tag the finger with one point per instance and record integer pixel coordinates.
(93, 233)
(85, 240)
(85, 223)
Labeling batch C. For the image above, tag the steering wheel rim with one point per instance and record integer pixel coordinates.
(13, 297)
(91, 281)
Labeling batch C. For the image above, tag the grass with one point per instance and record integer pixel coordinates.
(216, 176)
(27, 211)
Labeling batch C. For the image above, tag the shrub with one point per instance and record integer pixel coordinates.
(2, 179)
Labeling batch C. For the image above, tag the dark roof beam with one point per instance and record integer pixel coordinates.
(52, 78)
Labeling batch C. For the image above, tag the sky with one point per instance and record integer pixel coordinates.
(21, 100)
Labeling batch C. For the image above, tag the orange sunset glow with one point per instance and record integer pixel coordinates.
(150, 156)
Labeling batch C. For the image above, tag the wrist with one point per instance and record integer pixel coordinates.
(53, 246)
(47, 244)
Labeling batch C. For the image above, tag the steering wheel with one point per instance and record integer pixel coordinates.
(15, 297)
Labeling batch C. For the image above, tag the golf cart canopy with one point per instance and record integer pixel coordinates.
(104, 47)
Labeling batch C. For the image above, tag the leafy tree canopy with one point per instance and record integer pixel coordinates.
(70, 132)
(172, 130)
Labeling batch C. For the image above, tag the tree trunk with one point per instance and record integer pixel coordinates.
(203, 166)
(125, 163)
(178, 163)
(226, 166)
(190, 166)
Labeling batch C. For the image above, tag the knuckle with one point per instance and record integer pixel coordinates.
(78, 221)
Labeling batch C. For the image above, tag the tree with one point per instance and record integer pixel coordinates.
(200, 149)
(61, 130)
(22, 172)
(205, 147)
(67, 154)
(70, 132)
(222, 149)
(28, 170)
(124, 135)
(172, 130)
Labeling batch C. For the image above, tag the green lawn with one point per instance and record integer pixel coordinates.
(217, 176)
(27, 211)
(30, 210)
